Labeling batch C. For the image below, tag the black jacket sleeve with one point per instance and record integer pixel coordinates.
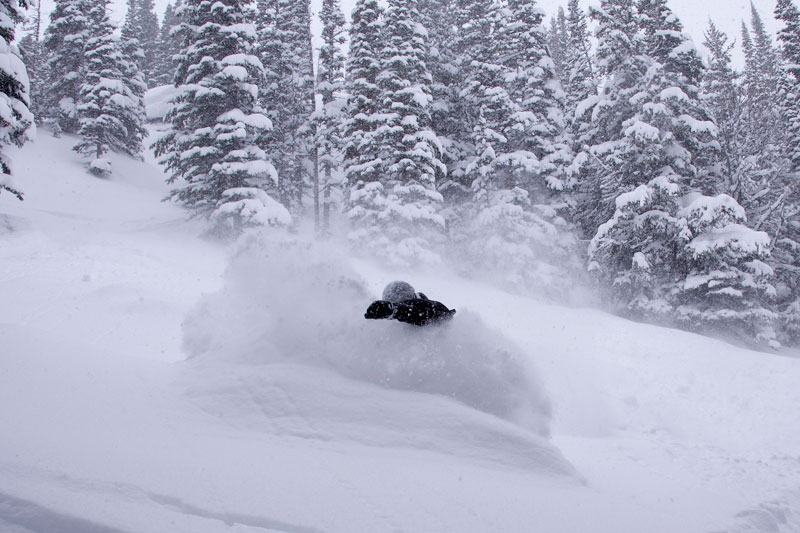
(422, 312)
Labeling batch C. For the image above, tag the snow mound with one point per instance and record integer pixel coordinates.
(157, 101)
(295, 302)
(780, 515)
(9, 224)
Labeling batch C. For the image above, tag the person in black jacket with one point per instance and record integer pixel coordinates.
(401, 302)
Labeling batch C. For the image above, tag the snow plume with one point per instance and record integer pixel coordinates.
(296, 302)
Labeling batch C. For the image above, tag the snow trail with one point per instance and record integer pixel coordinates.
(294, 301)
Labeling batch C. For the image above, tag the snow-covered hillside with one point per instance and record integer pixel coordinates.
(154, 381)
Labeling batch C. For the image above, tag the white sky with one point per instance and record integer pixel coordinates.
(694, 14)
(727, 14)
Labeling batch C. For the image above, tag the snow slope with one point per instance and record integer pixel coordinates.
(154, 381)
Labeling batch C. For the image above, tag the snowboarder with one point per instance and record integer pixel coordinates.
(401, 302)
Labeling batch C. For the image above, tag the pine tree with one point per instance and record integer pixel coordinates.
(789, 35)
(633, 254)
(558, 44)
(692, 126)
(766, 182)
(329, 118)
(141, 27)
(484, 103)
(505, 215)
(786, 250)
(657, 234)
(64, 44)
(131, 34)
(535, 132)
(217, 125)
(32, 53)
(405, 83)
(268, 50)
(580, 81)
(764, 142)
(363, 153)
(459, 41)
(167, 47)
(396, 215)
(653, 144)
(288, 92)
(723, 97)
(110, 108)
(149, 39)
(603, 160)
(16, 124)
(729, 287)
(437, 17)
(134, 89)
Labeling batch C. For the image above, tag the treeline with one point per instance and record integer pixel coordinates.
(470, 131)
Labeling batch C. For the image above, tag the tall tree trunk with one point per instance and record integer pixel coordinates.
(326, 203)
(315, 151)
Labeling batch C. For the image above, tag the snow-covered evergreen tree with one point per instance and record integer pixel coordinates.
(437, 17)
(415, 165)
(482, 97)
(32, 53)
(287, 94)
(214, 147)
(786, 242)
(330, 116)
(414, 150)
(110, 109)
(729, 284)
(403, 223)
(558, 43)
(16, 120)
(788, 13)
(505, 211)
(167, 47)
(135, 87)
(268, 49)
(764, 179)
(723, 97)
(679, 84)
(65, 44)
(363, 154)
(536, 129)
(141, 27)
(608, 116)
(634, 254)
(656, 236)
(579, 78)
(652, 143)
(485, 108)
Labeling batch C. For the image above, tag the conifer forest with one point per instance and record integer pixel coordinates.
(602, 147)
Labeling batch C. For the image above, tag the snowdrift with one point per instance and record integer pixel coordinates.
(296, 302)
(157, 101)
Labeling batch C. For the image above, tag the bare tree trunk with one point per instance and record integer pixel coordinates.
(315, 178)
(315, 149)
(326, 203)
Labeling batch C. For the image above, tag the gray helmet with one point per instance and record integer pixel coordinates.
(398, 291)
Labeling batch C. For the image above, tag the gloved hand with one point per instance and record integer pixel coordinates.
(379, 309)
